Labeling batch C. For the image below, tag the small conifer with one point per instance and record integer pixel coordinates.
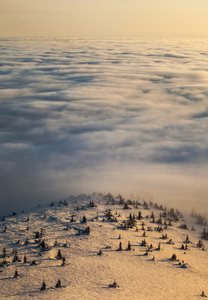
(15, 259)
(87, 229)
(203, 294)
(129, 246)
(4, 253)
(43, 286)
(114, 284)
(100, 252)
(59, 255)
(120, 247)
(64, 261)
(84, 219)
(173, 257)
(4, 263)
(37, 235)
(16, 275)
(187, 239)
(58, 284)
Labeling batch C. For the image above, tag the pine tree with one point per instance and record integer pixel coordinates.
(43, 286)
(125, 206)
(4, 253)
(58, 284)
(100, 252)
(4, 262)
(114, 285)
(129, 246)
(120, 246)
(199, 244)
(203, 294)
(187, 239)
(87, 229)
(43, 245)
(64, 261)
(37, 234)
(59, 255)
(173, 257)
(16, 275)
(15, 259)
(159, 246)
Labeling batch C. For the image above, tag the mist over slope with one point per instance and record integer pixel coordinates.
(126, 115)
(88, 241)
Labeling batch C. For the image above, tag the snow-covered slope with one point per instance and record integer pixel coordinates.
(144, 272)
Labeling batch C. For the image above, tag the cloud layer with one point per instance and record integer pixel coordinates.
(122, 115)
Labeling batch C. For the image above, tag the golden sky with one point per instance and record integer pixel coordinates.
(103, 18)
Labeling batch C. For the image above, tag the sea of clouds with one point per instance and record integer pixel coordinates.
(128, 116)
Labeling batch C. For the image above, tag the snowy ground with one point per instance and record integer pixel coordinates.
(88, 275)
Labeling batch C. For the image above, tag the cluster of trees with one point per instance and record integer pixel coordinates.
(58, 285)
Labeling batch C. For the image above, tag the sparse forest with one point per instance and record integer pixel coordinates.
(92, 243)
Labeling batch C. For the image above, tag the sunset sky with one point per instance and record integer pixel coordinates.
(103, 18)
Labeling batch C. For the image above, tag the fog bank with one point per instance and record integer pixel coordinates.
(127, 116)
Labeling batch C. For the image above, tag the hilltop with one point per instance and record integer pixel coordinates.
(103, 247)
